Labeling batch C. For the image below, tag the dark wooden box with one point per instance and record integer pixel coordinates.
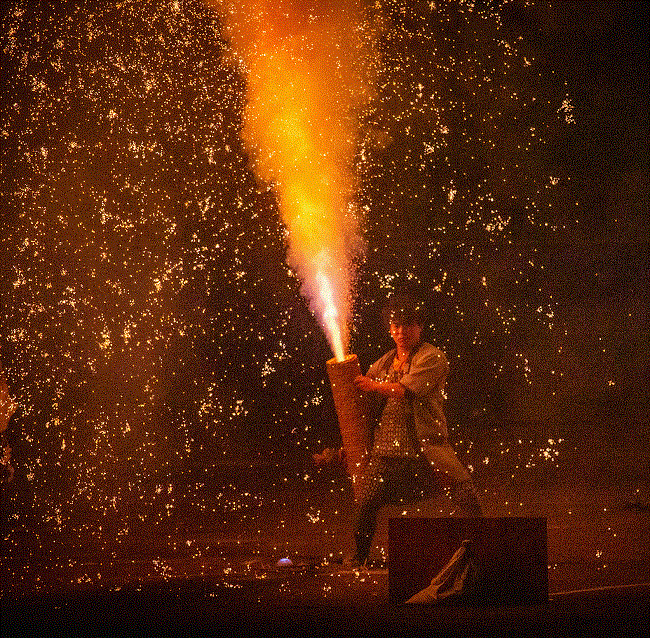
(510, 555)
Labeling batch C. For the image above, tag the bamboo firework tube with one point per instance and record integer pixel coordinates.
(352, 413)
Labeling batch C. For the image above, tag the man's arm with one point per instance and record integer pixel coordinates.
(428, 372)
(385, 389)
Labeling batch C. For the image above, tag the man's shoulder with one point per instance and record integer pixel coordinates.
(383, 359)
(428, 352)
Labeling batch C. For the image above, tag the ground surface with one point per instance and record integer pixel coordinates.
(196, 574)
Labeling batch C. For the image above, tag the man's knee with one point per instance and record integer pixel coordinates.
(466, 499)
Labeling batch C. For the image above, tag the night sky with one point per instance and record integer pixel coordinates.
(150, 322)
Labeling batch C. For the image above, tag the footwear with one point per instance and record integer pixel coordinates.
(354, 562)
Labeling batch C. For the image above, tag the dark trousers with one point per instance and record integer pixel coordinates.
(395, 479)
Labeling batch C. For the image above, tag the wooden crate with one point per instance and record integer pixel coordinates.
(510, 554)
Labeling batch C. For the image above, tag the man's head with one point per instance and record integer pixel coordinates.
(404, 316)
(405, 335)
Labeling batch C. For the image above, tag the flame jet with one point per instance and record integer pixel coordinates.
(309, 69)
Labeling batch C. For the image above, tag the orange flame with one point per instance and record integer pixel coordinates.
(308, 68)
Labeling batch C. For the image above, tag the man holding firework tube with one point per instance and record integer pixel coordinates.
(410, 451)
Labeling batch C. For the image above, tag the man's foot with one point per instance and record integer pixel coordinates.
(355, 562)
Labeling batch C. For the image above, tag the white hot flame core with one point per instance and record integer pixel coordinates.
(330, 315)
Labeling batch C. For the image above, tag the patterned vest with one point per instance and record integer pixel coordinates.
(395, 433)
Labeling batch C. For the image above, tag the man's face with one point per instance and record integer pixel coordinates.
(405, 335)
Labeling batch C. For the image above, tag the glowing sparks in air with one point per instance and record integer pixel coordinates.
(150, 329)
(147, 316)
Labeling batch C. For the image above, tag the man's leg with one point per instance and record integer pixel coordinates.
(373, 489)
(443, 459)
(465, 498)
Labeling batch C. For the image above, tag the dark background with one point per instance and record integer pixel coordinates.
(151, 330)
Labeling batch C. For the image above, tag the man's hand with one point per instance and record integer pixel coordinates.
(365, 383)
(329, 455)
